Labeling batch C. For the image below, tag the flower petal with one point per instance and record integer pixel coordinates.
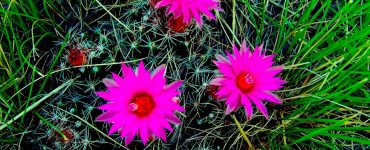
(174, 85)
(261, 107)
(167, 126)
(247, 106)
(129, 137)
(158, 77)
(105, 95)
(144, 135)
(236, 52)
(206, 12)
(233, 102)
(173, 7)
(225, 69)
(159, 71)
(186, 14)
(163, 3)
(223, 92)
(158, 131)
(115, 127)
(109, 83)
(142, 72)
(173, 119)
(221, 59)
(110, 106)
(105, 116)
(117, 79)
(127, 72)
(197, 17)
(216, 81)
(268, 96)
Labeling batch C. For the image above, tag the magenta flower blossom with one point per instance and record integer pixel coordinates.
(140, 103)
(247, 77)
(189, 9)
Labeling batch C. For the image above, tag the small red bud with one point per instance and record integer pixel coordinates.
(77, 57)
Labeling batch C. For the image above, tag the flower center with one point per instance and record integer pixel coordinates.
(244, 82)
(142, 105)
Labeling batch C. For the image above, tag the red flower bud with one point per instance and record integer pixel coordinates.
(176, 24)
(76, 57)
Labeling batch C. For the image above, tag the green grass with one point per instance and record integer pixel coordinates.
(324, 46)
(18, 72)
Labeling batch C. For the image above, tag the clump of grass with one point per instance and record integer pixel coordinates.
(324, 47)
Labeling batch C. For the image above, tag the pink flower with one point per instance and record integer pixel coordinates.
(140, 103)
(189, 9)
(247, 77)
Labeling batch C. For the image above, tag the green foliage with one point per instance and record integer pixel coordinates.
(47, 103)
